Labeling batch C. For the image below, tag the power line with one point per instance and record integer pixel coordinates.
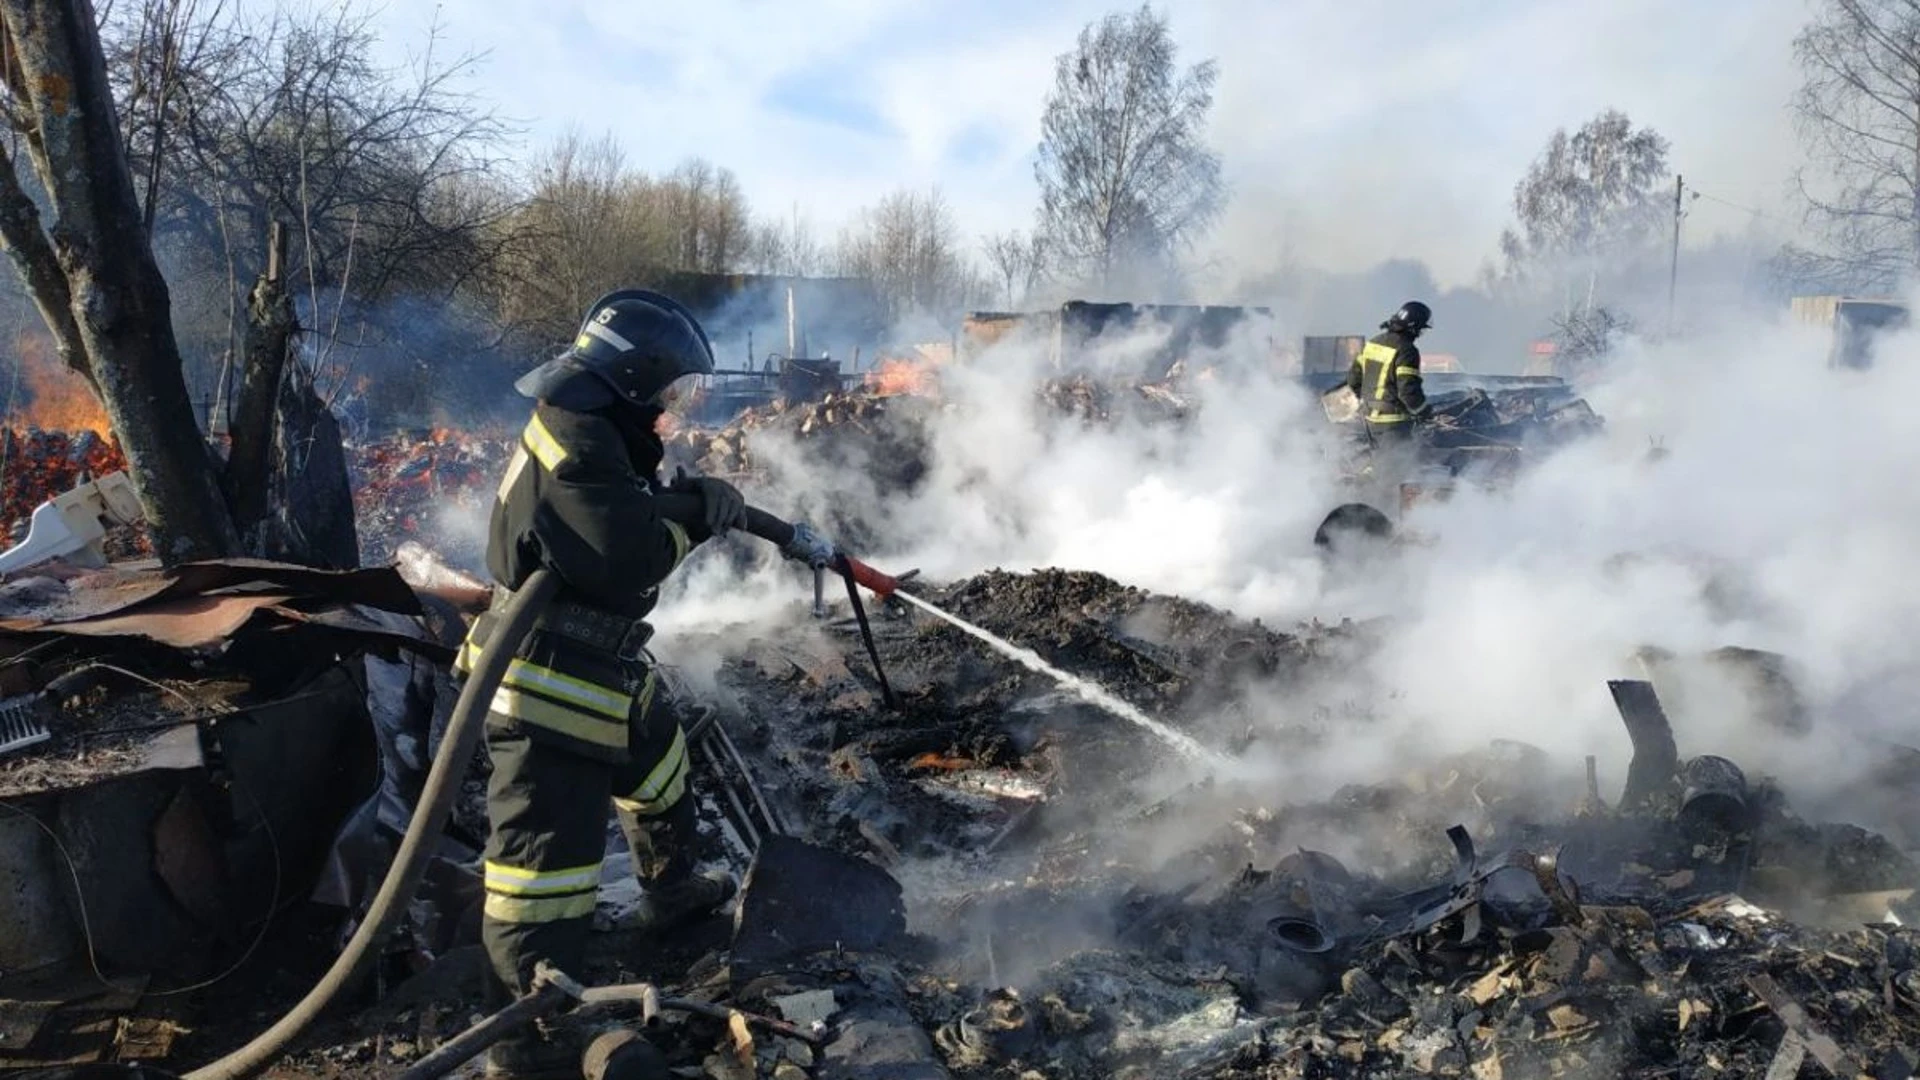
(1698, 194)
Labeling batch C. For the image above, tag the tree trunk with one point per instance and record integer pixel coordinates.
(1914, 133)
(270, 327)
(118, 299)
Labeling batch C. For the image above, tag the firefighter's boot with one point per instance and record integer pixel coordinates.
(668, 904)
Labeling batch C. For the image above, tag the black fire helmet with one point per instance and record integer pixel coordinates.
(1413, 315)
(633, 344)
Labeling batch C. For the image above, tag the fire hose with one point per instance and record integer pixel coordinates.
(443, 781)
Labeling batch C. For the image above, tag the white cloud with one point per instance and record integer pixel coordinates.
(1352, 130)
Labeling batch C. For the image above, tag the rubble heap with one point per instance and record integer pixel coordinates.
(1102, 401)
(1579, 940)
(885, 424)
(1012, 891)
(1536, 417)
(1719, 987)
(184, 754)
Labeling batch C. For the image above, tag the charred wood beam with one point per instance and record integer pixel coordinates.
(270, 328)
(314, 497)
(118, 301)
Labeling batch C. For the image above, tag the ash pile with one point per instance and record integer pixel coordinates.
(1488, 915)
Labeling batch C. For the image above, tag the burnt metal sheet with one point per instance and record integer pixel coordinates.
(360, 623)
(184, 623)
(1656, 760)
(36, 600)
(30, 604)
(377, 586)
(187, 858)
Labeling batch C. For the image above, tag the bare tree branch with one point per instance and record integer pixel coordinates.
(1858, 111)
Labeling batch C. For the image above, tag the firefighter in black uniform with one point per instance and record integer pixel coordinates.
(577, 721)
(1385, 376)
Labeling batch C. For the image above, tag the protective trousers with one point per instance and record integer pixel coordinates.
(1395, 455)
(547, 808)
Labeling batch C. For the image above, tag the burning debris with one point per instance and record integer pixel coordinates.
(410, 485)
(36, 464)
(1102, 401)
(872, 418)
(1538, 414)
(883, 431)
(1023, 882)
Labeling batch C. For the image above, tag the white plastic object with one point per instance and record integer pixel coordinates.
(72, 525)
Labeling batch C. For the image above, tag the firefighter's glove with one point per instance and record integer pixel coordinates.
(808, 546)
(723, 504)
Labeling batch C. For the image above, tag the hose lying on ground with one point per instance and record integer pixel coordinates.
(423, 831)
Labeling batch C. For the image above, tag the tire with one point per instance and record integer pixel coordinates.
(1349, 522)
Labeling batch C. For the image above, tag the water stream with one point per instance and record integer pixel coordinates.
(1086, 689)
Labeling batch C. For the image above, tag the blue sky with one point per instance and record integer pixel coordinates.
(1351, 130)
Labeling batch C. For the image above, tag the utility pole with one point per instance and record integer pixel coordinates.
(1673, 269)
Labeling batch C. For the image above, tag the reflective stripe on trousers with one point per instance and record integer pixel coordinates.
(521, 895)
(664, 785)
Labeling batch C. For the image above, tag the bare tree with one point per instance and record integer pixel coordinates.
(705, 207)
(92, 272)
(1589, 198)
(289, 118)
(1017, 258)
(1126, 181)
(591, 223)
(785, 247)
(1858, 112)
(1586, 337)
(242, 115)
(579, 234)
(906, 246)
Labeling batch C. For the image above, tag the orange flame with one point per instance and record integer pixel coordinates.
(56, 399)
(895, 377)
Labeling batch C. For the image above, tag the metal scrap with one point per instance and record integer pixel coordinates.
(1655, 757)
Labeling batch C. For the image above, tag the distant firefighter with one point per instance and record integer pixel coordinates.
(1385, 376)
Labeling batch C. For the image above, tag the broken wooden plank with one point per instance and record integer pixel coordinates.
(1801, 1027)
(1788, 1059)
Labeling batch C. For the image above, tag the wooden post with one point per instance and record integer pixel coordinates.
(793, 327)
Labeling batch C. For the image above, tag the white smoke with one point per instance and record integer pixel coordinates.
(1780, 518)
